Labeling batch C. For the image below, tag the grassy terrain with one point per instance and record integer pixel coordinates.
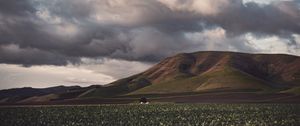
(119, 87)
(225, 79)
(154, 114)
(295, 90)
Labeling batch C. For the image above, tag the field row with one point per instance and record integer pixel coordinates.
(156, 114)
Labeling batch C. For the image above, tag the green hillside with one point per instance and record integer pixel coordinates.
(226, 79)
(208, 72)
(295, 90)
(122, 86)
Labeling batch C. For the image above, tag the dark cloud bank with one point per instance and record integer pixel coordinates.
(38, 32)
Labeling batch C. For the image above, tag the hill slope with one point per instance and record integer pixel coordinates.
(207, 71)
(219, 75)
(20, 94)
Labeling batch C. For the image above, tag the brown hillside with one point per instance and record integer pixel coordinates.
(205, 71)
(200, 73)
(276, 68)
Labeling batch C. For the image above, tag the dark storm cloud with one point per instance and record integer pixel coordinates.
(16, 7)
(61, 32)
(12, 54)
(275, 18)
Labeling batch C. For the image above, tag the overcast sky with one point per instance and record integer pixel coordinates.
(82, 42)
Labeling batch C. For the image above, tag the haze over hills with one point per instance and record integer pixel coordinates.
(196, 76)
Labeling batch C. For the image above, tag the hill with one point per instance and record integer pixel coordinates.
(205, 74)
(19, 94)
(207, 71)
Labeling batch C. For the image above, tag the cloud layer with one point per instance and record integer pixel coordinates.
(91, 73)
(61, 32)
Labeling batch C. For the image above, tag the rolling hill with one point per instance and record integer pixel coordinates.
(207, 74)
(206, 71)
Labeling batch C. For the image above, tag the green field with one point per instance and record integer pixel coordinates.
(153, 114)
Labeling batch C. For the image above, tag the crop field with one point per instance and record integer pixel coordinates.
(153, 114)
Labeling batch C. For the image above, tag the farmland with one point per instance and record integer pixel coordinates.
(153, 114)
